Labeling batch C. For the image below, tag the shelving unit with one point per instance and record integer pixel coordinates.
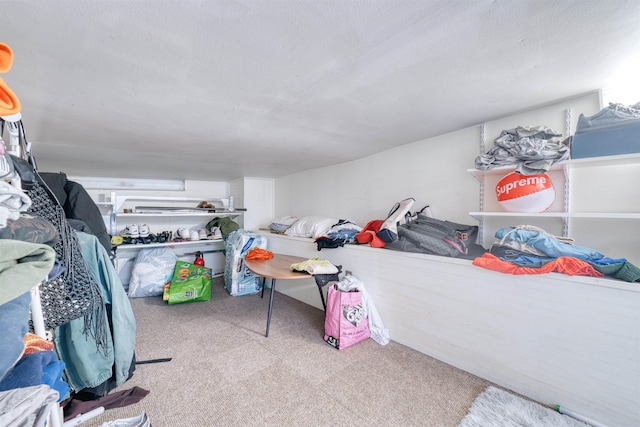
(563, 172)
(186, 204)
(166, 213)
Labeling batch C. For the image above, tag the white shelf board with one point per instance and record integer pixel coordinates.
(177, 214)
(620, 159)
(573, 163)
(592, 215)
(168, 199)
(169, 244)
(118, 201)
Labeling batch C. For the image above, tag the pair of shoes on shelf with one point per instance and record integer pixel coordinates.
(613, 116)
(205, 204)
(192, 235)
(162, 237)
(144, 240)
(182, 234)
(198, 234)
(215, 234)
(187, 235)
(135, 230)
(126, 240)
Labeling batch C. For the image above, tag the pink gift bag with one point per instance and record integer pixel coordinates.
(346, 322)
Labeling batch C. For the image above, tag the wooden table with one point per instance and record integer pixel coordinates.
(278, 267)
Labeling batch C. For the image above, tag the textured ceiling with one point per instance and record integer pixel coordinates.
(216, 90)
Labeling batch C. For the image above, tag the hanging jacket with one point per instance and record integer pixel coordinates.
(88, 368)
(78, 204)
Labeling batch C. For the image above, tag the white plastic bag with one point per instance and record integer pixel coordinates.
(151, 270)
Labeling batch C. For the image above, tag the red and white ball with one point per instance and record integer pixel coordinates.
(525, 193)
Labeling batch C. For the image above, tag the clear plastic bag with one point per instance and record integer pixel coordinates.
(151, 270)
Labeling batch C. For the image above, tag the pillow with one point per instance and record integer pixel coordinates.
(311, 226)
(280, 225)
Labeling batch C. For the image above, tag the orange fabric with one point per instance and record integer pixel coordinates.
(33, 344)
(6, 58)
(259, 253)
(566, 265)
(9, 102)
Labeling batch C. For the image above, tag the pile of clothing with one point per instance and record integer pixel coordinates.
(526, 249)
(533, 148)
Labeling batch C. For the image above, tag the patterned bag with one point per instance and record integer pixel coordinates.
(346, 322)
(74, 293)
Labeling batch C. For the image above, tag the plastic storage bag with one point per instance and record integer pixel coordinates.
(190, 283)
(238, 279)
(152, 269)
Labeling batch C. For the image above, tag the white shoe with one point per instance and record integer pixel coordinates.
(183, 233)
(130, 230)
(202, 234)
(143, 229)
(194, 235)
(215, 233)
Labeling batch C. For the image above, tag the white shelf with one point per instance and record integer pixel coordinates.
(621, 159)
(170, 207)
(177, 214)
(573, 163)
(168, 244)
(118, 201)
(592, 215)
(563, 174)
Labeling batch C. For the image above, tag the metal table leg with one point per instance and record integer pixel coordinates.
(273, 287)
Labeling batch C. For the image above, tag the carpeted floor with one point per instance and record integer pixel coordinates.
(225, 372)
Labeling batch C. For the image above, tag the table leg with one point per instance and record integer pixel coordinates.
(273, 287)
(264, 279)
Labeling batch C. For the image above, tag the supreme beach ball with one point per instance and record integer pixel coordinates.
(525, 193)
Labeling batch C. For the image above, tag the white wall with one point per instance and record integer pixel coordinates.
(434, 172)
(255, 195)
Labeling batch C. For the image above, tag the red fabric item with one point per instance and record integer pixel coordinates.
(368, 234)
(564, 264)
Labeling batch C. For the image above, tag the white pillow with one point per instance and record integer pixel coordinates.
(311, 226)
(285, 220)
(280, 225)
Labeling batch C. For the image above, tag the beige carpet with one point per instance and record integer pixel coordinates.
(224, 372)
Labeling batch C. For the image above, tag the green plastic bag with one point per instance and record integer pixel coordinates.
(190, 283)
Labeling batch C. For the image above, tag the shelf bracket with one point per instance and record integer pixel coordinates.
(481, 191)
(566, 170)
